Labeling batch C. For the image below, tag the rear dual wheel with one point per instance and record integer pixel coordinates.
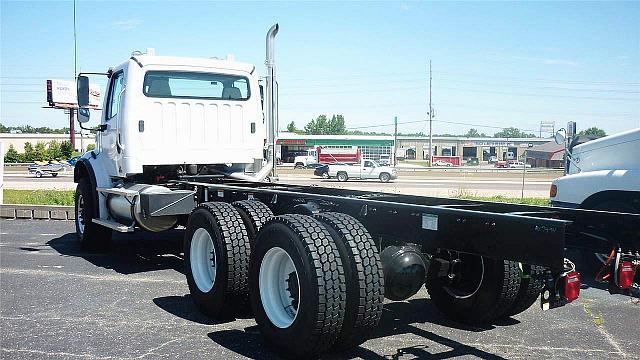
(473, 289)
(297, 285)
(316, 283)
(216, 254)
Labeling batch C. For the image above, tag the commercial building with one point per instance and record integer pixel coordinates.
(549, 155)
(291, 145)
(466, 148)
(410, 147)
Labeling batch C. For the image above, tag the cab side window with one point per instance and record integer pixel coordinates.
(368, 164)
(113, 107)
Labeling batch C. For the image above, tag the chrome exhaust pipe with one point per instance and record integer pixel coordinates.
(270, 101)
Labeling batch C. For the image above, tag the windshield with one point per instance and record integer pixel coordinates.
(192, 85)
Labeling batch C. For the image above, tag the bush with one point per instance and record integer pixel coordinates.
(66, 149)
(91, 147)
(11, 156)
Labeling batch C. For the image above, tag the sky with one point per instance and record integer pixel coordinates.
(494, 64)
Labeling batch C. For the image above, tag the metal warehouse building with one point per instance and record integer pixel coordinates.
(409, 147)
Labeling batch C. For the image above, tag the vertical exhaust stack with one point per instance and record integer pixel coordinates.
(270, 100)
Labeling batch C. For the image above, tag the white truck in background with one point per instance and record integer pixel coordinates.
(602, 174)
(367, 169)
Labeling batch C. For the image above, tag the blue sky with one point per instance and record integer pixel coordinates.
(495, 64)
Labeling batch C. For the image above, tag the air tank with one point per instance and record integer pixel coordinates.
(404, 270)
(126, 211)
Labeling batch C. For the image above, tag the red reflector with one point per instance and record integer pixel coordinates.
(626, 273)
(572, 286)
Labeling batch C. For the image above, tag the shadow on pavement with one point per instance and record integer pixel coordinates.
(398, 318)
(247, 342)
(184, 307)
(129, 253)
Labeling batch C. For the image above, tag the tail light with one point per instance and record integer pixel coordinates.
(571, 286)
(626, 273)
(553, 191)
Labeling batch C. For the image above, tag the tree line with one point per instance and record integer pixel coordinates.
(28, 129)
(52, 150)
(322, 125)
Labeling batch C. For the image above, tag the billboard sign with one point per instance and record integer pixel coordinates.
(62, 93)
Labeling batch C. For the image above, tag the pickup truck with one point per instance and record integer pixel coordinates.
(367, 169)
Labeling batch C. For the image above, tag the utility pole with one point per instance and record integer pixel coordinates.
(72, 111)
(395, 140)
(430, 118)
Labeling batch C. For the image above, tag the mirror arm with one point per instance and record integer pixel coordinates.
(100, 128)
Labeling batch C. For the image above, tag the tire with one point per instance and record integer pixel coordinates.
(483, 291)
(311, 327)
(254, 214)
(325, 175)
(363, 274)
(218, 285)
(342, 176)
(298, 166)
(90, 235)
(385, 177)
(531, 284)
(38, 174)
(54, 174)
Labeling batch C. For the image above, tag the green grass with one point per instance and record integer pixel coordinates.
(503, 199)
(39, 197)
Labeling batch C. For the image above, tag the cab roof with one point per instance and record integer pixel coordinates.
(146, 60)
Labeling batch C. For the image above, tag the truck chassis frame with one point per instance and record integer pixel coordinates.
(528, 234)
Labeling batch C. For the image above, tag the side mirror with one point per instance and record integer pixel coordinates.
(83, 91)
(559, 138)
(83, 115)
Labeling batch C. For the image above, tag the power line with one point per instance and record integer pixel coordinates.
(445, 122)
(539, 95)
(493, 77)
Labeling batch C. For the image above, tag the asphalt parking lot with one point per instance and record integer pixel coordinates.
(59, 302)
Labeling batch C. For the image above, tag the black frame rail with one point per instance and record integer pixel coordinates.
(530, 234)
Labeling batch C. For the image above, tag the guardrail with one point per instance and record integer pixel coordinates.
(39, 212)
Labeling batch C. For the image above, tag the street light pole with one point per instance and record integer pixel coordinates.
(430, 118)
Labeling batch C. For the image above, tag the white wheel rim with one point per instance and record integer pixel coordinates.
(80, 214)
(202, 257)
(280, 303)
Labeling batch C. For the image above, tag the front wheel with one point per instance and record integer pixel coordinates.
(325, 175)
(385, 177)
(89, 234)
(54, 174)
(38, 174)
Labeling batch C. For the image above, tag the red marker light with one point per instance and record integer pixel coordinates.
(572, 286)
(626, 273)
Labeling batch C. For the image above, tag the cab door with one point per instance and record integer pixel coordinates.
(366, 171)
(111, 144)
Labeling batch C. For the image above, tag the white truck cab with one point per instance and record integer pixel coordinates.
(162, 110)
(169, 118)
(602, 174)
